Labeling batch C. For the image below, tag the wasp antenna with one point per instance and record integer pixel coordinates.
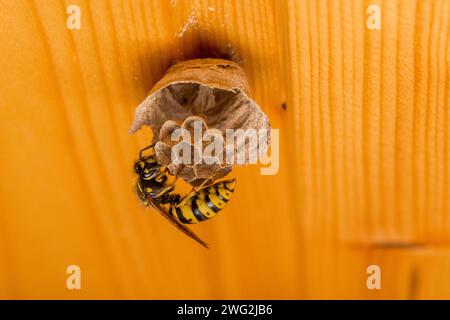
(146, 148)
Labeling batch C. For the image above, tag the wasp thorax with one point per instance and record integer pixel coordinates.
(213, 93)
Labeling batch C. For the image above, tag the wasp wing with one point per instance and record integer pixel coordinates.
(176, 224)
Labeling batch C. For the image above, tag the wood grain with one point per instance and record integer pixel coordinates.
(364, 175)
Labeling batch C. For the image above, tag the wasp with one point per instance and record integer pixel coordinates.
(201, 204)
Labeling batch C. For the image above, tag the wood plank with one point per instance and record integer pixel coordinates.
(364, 150)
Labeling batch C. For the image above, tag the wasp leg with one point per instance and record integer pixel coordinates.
(192, 193)
(146, 148)
(194, 190)
(168, 188)
(186, 198)
(171, 199)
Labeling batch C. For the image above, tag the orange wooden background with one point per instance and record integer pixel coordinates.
(365, 150)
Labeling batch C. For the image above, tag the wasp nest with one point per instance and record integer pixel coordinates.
(212, 93)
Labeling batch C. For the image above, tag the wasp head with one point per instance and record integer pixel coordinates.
(147, 168)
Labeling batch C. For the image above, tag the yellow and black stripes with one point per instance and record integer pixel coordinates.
(154, 191)
(205, 204)
(152, 188)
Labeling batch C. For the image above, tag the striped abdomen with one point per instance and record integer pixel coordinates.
(205, 204)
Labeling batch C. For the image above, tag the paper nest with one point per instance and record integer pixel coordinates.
(213, 91)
